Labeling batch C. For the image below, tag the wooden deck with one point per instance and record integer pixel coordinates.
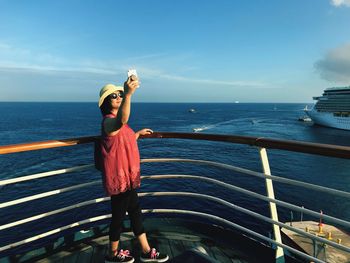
(175, 237)
(319, 249)
(174, 245)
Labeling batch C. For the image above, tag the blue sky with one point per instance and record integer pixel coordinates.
(184, 51)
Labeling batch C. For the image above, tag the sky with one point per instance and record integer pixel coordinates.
(183, 50)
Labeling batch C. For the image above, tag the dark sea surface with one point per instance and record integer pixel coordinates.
(30, 122)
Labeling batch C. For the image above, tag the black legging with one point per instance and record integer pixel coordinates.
(122, 203)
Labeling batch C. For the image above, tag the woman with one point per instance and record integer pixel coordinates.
(121, 170)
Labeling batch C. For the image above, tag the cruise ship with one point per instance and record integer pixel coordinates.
(332, 109)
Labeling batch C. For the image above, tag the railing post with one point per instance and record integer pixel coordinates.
(273, 209)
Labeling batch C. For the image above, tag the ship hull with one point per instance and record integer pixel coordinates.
(329, 120)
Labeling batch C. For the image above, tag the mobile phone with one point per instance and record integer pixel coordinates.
(132, 74)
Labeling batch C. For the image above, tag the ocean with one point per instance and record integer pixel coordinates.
(30, 122)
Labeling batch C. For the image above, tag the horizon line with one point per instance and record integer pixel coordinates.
(223, 102)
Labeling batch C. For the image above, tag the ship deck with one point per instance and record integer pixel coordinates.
(319, 249)
(185, 235)
(183, 240)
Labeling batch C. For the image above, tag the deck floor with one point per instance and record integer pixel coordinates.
(319, 249)
(174, 245)
(171, 236)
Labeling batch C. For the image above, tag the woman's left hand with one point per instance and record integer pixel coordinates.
(145, 131)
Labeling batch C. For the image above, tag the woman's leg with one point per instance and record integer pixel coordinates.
(144, 243)
(119, 204)
(135, 216)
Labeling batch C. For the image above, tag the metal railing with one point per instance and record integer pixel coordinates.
(261, 143)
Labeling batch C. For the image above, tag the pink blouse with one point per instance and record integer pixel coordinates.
(120, 160)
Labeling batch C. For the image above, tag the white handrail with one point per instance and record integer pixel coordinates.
(45, 174)
(237, 226)
(250, 193)
(46, 194)
(220, 165)
(225, 166)
(53, 212)
(256, 174)
(54, 231)
(211, 180)
(251, 213)
(212, 217)
(209, 197)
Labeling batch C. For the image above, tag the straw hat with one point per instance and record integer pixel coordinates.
(108, 90)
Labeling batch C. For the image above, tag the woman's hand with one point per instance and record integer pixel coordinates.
(143, 132)
(130, 86)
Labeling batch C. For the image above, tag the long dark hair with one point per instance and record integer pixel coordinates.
(106, 106)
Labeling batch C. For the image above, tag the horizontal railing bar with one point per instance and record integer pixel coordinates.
(212, 198)
(220, 165)
(295, 146)
(45, 174)
(256, 174)
(24, 147)
(256, 195)
(234, 225)
(229, 186)
(82, 185)
(281, 203)
(251, 213)
(54, 231)
(212, 217)
(46, 194)
(54, 212)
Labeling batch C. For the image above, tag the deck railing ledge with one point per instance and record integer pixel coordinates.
(262, 144)
(338, 151)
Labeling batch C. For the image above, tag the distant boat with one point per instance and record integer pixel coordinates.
(192, 110)
(197, 129)
(236, 101)
(305, 118)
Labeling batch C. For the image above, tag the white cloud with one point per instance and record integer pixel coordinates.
(237, 83)
(335, 66)
(21, 59)
(340, 2)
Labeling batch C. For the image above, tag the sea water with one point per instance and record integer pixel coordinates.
(31, 122)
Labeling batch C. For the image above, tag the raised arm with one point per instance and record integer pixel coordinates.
(112, 125)
(124, 111)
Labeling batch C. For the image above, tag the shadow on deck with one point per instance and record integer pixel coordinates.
(184, 241)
